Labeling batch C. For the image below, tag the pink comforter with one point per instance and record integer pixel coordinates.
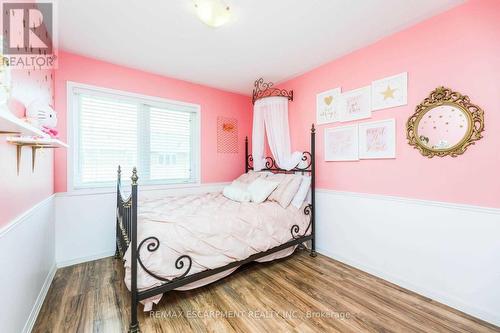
(212, 230)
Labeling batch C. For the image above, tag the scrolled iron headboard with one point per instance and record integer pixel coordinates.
(272, 166)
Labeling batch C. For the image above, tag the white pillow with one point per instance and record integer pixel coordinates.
(301, 194)
(237, 191)
(238, 184)
(260, 189)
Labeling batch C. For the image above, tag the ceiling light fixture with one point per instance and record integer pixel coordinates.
(213, 13)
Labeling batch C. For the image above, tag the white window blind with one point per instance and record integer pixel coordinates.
(161, 139)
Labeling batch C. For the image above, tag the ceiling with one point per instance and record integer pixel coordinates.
(275, 39)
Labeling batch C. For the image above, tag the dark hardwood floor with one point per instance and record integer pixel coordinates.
(297, 294)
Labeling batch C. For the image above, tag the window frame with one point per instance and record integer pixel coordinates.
(73, 132)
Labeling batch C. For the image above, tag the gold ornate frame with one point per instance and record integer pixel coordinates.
(444, 96)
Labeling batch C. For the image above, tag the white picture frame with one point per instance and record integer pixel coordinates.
(341, 143)
(355, 104)
(327, 104)
(390, 92)
(377, 139)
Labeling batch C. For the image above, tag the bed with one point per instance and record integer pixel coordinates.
(185, 242)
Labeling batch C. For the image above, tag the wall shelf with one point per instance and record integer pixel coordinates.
(35, 144)
(24, 134)
(10, 124)
(44, 142)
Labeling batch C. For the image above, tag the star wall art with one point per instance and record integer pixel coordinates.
(390, 92)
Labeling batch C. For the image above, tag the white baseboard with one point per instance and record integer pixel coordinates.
(88, 258)
(447, 252)
(39, 300)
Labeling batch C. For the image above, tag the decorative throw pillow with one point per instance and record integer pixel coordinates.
(260, 189)
(289, 191)
(237, 191)
(279, 178)
(284, 180)
(282, 187)
(299, 198)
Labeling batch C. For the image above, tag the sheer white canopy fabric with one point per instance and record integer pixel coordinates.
(270, 116)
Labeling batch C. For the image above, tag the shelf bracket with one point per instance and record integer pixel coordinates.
(34, 148)
(33, 158)
(18, 151)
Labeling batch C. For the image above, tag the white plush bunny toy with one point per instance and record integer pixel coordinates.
(41, 115)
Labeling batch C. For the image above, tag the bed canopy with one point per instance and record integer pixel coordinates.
(270, 116)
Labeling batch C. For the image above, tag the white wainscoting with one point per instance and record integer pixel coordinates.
(448, 252)
(85, 223)
(27, 258)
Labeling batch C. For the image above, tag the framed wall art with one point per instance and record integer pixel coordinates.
(327, 104)
(377, 139)
(356, 104)
(390, 92)
(227, 135)
(341, 143)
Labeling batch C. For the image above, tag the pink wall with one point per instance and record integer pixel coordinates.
(214, 167)
(459, 49)
(21, 192)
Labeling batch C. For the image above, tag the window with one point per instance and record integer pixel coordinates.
(115, 128)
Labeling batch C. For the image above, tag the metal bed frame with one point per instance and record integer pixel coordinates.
(126, 234)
